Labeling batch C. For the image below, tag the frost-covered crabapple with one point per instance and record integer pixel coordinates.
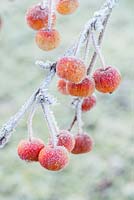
(88, 103)
(47, 39)
(29, 150)
(107, 80)
(37, 17)
(66, 139)
(71, 69)
(54, 158)
(83, 89)
(66, 7)
(62, 86)
(83, 144)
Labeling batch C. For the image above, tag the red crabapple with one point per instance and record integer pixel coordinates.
(37, 17)
(29, 150)
(55, 158)
(62, 86)
(107, 80)
(83, 89)
(88, 103)
(47, 39)
(83, 144)
(71, 69)
(66, 139)
(66, 7)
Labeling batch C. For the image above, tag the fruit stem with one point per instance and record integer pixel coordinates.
(47, 114)
(54, 122)
(77, 47)
(97, 49)
(100, 39)
(86, 53)
(78, 114)
(30, 121)
(50, 8)
(72, 124)
(43, 4)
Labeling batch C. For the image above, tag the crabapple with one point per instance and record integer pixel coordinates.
(88, 103)
(37, 17)
(47, 39)
(107, 80)
(62, 86)
(71, 69)
(29, 150)
(66, 7)
(54, 158)
(83, 89)
(83, 144)
(66, 139)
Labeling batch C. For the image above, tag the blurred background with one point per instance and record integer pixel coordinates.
(107, 172)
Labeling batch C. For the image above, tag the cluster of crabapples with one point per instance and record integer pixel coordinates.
(42, 18)
(75, 82)
(51, 157)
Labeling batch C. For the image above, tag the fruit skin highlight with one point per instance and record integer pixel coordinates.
(66, 139)
(54, 158)
(29, 150)
(37, 17)
(83, 89)
(107, 80)
(47, 39)
(66, 7)
(88, 103)
(71, 69)
(83, 144)
(62, 87)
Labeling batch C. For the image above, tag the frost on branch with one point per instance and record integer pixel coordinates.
(44, 65)
(97, 23)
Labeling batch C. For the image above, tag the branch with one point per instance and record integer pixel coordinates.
(73, 122)
(9, 127)
(100, 38)
(98, 22)
(95, 23)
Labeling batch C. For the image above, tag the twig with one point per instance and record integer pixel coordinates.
(86, 53)
(73, 122)
(97, 49)
(107, 8)
(78, 114)
(9, 127)
(50, 7)
(30, 121)
(100, 38)
(46, 111)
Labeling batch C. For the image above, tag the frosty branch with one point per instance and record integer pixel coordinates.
(96, 24)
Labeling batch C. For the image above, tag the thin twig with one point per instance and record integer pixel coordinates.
(50, 7)
(73, 122)
(86, 53)
(46, 111)
(100, 38)
(97, 49)
(79, 115)
(30, 121)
